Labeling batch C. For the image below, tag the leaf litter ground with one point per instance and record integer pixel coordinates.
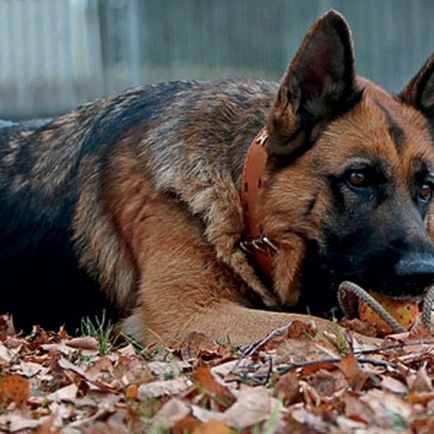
(294, 381)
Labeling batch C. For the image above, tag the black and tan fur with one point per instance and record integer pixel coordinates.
(137, 197)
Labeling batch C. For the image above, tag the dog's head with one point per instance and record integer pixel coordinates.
(351, 169)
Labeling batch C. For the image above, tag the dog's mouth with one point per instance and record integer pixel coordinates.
(402, 289)
(404, 295)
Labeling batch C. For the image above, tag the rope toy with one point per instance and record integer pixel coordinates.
(347, 289)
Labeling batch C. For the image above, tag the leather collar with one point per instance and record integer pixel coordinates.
(255, 243)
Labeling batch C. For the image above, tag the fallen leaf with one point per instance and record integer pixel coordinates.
(356, 325)
(67, 393)
(324, 383)
(197, 344)
(353, 372)
(310, 396)
(298, 351)
(314, 422)
(14, 388)
(185, 425)
(300, 330)
(287, 388)
(393, 385)
(132, 391)
(253, 405)
(163, 388)
(358, 410)
(7, 355)
(30, 369)
(350, 425)
(17, 422)
(47, 426)
(101, 370)
(173, 368)
(127, 351)
(421, 397)
(83, 343)
(389, 409)
(212, 426)
(225, 368)
(421, 382)
(6, 327)
(171, 412)
(132, 370)
(209, 384)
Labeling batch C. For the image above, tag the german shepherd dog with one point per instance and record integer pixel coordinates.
(216, 207)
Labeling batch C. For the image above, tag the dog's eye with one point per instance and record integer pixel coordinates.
(358, 178)
(425, 192)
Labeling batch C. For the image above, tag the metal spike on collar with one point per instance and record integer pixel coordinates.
(259, 243)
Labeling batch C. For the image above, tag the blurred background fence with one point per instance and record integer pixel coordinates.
(56, 54)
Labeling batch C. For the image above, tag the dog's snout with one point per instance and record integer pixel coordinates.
(416, 269)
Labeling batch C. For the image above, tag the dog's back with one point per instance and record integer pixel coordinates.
(58, 241)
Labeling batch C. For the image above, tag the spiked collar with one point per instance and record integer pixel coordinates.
(255, 243)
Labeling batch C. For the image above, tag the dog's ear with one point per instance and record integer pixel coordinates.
(420, 91)
(319, 85)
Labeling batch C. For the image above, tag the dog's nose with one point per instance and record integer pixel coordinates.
(416, 269)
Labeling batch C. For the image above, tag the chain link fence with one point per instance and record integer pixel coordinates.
(56, 54)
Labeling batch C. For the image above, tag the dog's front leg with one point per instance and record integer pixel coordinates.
(224, 322)
(186, 289)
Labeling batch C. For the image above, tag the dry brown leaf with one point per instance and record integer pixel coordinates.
(90, 377)
(157, 389)
(358, 410)
(310, 395)
(67, 393)
(6, 327)
(324, 383)
(196, 344)
(253, 405)
(300, 330)
(353, 372)
(421, 382)
(287, 388)
(164, 369)
(127, 351)
(57, 348)
(185, 425)
(361, 327)
(421, 397)
(6, 354)
(299, 351)
(212, 426)
(83, 343)
(388, 407)
(215, 390)
(14, 388)
(170, 413)
(393, 385)
(314, 422)
(16, 422)
(132, 370)
(30, 369)
(349, 425)
(224, 368)
(47, 427)
(100, 370)
(132, 391)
